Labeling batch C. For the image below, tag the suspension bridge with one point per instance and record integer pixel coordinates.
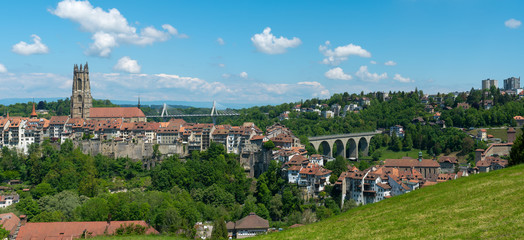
(178, 114)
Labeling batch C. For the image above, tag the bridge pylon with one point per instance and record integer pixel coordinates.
(164, 111)
(214, 112)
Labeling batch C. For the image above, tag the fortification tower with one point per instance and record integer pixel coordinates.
(81, 95)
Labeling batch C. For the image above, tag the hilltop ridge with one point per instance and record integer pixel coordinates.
(482, 206)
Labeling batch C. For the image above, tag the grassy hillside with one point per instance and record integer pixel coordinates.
(138, 237)
(484, 206)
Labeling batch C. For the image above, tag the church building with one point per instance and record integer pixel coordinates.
(82, 107)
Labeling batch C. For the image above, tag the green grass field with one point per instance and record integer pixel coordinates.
(389, 154)
(139, 237)
(483, 206)
(497, 133)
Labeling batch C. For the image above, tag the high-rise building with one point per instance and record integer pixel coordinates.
(486, 84)
(511, 83)
(81, 95)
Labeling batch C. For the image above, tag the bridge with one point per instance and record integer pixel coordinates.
(348, 145)
(214, 113)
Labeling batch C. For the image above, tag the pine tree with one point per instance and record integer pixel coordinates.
(219, 229)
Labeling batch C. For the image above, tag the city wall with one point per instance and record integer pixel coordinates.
(135, 151)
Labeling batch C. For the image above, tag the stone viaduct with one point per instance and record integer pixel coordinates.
(348, 145)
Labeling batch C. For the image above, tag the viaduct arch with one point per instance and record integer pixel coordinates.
(347, 145)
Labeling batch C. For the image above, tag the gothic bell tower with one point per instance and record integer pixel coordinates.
(81, 96)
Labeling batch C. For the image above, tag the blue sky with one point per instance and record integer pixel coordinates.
(256, 52)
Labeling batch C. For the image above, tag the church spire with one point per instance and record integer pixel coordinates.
(138, 101)
(33, 113)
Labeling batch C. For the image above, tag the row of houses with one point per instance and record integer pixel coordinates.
(395, 177)
(308, 173)
(20, 132)
(327, 111)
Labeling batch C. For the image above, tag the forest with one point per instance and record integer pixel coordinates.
(67, 185)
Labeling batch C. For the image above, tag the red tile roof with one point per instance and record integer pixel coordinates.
(252, 221)
(58, 119)
(447, 159)
(116, 112)
(9, 221)
(72, 230)
(410, 163)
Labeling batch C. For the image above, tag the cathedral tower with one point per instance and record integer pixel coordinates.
(81, 96)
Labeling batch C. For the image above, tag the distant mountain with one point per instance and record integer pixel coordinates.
(175, 104)
(9, 101)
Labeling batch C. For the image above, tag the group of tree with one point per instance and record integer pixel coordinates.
(67, 185)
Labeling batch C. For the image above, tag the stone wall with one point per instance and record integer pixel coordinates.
(135, 151)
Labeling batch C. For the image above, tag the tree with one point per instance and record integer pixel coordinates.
(517, 151)
(349, 204)
(219, 229)
(42, 189)
(275, 207)
(467, 145)
(29, 207)
(3, 232)
(55, 216)
(269, 145)
(407, 143)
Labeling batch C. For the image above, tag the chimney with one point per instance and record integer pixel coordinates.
(23, 220)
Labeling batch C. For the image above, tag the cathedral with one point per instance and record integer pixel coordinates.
(82, 106)
(81, 96)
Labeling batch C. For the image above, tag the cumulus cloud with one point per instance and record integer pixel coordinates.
(337, 73)
(158, 87)
(37, 47)
(390, 63)
(3, 69)
(399, 78)
(365, 75)
(126, 64)
(512, 23)
(110, 28)
(243, 75)
(373, 62)
(341, 53)
(220, 41)
(266, 42)
(221, 65)
(42, 85)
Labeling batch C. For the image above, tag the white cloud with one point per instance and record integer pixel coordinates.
(37, 47)
(159, 87)
(126, 64)
(512, 23)
(3, 69)
(40, 85)
(339, 54)
(220, 41)
(390, 63)
(226, 75)
(399, 78)
(221, 65)
(337, 73)
(110, 28)
(266, 42)
(243, 75)
(372, 62)
(365, 75)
